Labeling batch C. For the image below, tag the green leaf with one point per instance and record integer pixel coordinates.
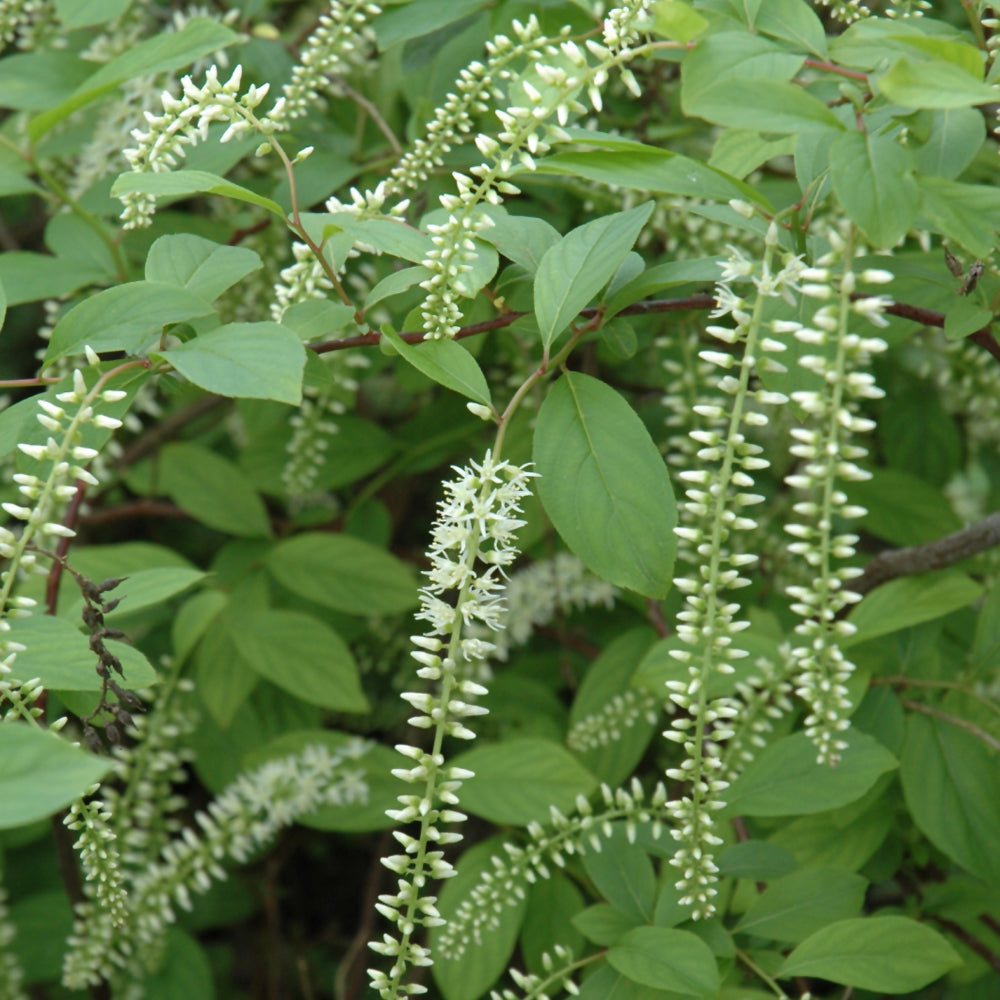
(199, 265)
(249, 360)
(447, 363)
(212, 490)
(317, 319)
(969, 214)
(28, 277)
(420, 17)
(391, 236)
(667, 960)
(343, 573)
(552, 903)
(605, 486)
(124, 318)
(739, 152)
(785, 780)
(934, 84)
(793, 907)
(41, 773)
(521, 238)
(884, 954)
(677, 21)
(184, 183)
(145, 588)
(872, 177)
(909, 601)
(903, 509)
(576, 268)
(518, 780)
(654, 279)
(484, 961)
(392, 284)
(222, 678)
(623, 874)
(60, 655)
(37, 80)
(13, 181)
(3, 305)
(952, 788)
(183, 970)
(955, 137)
(84, 13)
(164, 52)
(302, 655)
(193, 617)
(375, 766)
(603, 923)
(965, 317)
(645, 168)
(44, 920)
(762, 105)
(793, 21)
(755, 859)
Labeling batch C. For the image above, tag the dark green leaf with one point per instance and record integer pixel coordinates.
(212, 490)
(666, 959)
(952, 788)
(28, 276)
(447, 363)
(605, 486)
(343, 573)
(302, 655)
(604, 924)
(518, 780)
(884, 954)
(785, 780)
(623, 874)
(755, 859)
(793, 907)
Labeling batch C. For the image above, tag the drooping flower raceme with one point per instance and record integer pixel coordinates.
(828, 459)
(473, 542)
(719, 495)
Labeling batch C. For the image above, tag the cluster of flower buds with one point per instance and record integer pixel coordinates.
(184, 122)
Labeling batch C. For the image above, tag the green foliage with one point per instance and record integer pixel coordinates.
(639, 358)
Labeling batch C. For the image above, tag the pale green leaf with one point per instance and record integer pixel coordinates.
(199, 265)
(934, 84)
(666, 959)
(183, 183)
(254, 360)
(445, 362)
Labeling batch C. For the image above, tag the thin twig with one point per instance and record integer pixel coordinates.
(901, 680)
(944, 552)
(973, 730)
(969, 940)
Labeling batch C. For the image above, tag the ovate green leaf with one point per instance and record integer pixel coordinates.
(516, 781)
(255, 360)
(302, 655)
(182, 183)
(793, 907)
(883, 954)
(952, 787)
(605, 486)
(344, 573)
(785, 780)
(212, 490)
(873, 179)
(124, 318)
(908, 601)
(447, 363)
(934, 84)
(666, 959)
(41, 773)
(580, 265)
(199, 265)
